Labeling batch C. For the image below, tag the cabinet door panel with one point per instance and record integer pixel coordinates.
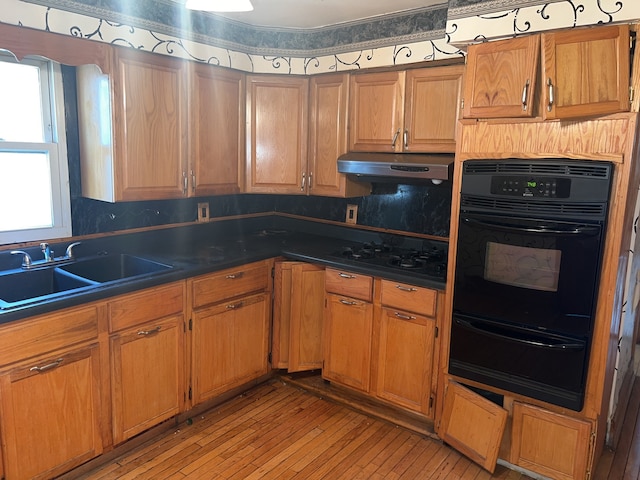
(501, 78)
(405, 359)
(147, 376)
(51, 418)
(586, 72)
(251, 338)
(149, 122)
(277, 134)
(375, 113)
(432, 107)
(347, 341)
(216, 131)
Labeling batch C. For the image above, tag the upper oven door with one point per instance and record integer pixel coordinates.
(530, 272)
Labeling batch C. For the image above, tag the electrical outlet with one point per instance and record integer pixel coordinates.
(352, 214)
(203, 212)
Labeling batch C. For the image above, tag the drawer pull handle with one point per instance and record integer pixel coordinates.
(402, 316)
(344, 275)
(235, 306)
(406, 289)
(49, 366)
(348, 302)
(146, 333)
(233, 276)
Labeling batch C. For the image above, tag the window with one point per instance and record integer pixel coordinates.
(34, 177)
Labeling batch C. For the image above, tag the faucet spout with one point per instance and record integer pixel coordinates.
(48, 253)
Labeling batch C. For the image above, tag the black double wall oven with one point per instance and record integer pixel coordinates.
(531, 236)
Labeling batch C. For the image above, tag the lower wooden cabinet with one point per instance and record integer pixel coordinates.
(146, 375)
(230, 345)
(50, 410)
(551, 444)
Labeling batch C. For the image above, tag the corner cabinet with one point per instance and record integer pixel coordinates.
(276, 137)
(50, 393)
(412, 111)
(585, 72)
(231, 316)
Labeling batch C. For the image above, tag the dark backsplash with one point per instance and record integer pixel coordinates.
(421, 209)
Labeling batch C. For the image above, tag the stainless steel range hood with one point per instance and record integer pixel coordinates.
(397, 167)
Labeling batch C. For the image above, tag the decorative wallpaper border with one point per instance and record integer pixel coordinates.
(448, 43)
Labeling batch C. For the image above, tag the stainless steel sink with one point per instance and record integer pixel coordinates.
(27, 286)
(109, 268)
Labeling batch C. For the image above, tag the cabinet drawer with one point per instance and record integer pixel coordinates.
(348, 284)
(43, 334)
(409, 297)
(231, 283)
(136, 308)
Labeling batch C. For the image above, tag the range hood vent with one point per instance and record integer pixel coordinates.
(397, 167)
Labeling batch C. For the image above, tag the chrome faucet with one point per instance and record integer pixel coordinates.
(69, 253)
(26, 259)
(48, 253)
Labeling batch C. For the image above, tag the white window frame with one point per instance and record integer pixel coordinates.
(55, 146)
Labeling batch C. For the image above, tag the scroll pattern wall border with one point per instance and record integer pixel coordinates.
(100, 29)
(547, 16)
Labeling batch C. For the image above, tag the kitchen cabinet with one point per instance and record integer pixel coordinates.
(147, 342)
(406, 329)
(298, 310)
(551, 444)
(216, 128)
(230, 333)
(412, 111)
(50, 393)
(348, 326)
(585, 72)
(132, 126)
(328, 102)
(276, 137)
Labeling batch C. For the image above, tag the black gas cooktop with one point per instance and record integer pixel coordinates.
(426, 262)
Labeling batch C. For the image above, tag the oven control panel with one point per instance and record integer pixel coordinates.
(520, 186)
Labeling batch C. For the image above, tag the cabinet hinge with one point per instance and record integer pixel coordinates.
(190, 393)
(430, 402)
(190, 324)
(462, 104)
(270, 357)
(631, 90)
(437, 331)
(273, 272)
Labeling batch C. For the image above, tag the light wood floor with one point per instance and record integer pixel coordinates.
(279, 431)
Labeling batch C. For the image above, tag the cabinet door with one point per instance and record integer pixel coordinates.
(50, 414)
(376, 112)
(328, 137)
(551, 444)
(276, 134)
(216, 131)
(147, 365)
(230, 345)
(149, 124)
(501, 78)
(298, 314)
(586, 72)
(405, 359)
(432, 107)
(347, 341)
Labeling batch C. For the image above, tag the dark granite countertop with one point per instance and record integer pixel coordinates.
(198, 250)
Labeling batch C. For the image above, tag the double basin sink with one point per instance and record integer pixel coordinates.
(48, 282)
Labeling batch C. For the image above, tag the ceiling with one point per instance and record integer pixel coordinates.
(309, 14)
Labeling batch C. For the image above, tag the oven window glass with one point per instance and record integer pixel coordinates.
(527, 267)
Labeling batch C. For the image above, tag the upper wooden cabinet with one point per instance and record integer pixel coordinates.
(216, 99)
(412, 111)
(585, 72)
(329, 95)
(276, 137)
(501, 78)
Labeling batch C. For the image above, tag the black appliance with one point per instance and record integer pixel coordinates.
(530, 241)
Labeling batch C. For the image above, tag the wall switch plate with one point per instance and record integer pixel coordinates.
(352, 214)
(203, 212)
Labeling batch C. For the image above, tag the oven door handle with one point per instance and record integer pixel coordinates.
(578, 229)
(527, 341)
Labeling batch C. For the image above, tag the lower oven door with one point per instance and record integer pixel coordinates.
(544, 366)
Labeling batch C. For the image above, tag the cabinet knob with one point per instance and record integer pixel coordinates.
(348, 302)
(344, 275)
(395, 138)
(525, 94)
(406, 289)
(49, 366)
(551, 96)
(402, 316)
(146, 333)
